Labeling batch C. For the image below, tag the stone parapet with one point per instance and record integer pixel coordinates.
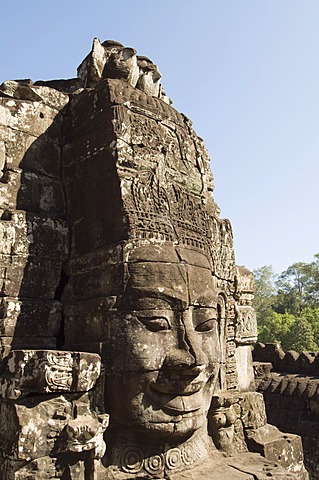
(306, 363)
(289, 382)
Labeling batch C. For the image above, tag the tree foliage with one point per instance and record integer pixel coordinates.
(287, 306)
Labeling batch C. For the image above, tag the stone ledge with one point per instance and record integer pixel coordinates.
(48, 371)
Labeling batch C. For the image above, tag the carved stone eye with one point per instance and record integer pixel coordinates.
(154, 323)
(204, 319)
(206, 326)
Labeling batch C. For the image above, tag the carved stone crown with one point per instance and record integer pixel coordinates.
(165, 211)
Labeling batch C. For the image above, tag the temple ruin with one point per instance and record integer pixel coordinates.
(126, 326)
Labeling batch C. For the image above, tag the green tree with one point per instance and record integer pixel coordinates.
(311, 315)
(292, 287)
(265, 289)
(287, 306)
(301, 337)
(298, 287)
(312, 291)
(275, 328)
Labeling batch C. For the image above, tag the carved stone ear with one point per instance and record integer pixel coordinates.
(128, 52)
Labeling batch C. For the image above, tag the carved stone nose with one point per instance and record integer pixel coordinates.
(178, 358)
(191, 343)
(183, 360)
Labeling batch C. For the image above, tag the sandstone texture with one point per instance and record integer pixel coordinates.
(289, 382)
(126, 327)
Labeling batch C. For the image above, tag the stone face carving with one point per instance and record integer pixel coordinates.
(169, 337)
(113, 244)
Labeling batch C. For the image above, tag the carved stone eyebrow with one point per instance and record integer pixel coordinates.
(208, 301)
(172, 298)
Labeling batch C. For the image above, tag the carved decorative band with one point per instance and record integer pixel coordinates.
(133, 460)
(58, 371)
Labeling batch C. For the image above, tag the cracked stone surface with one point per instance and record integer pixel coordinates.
(48, 371)
(126, 326)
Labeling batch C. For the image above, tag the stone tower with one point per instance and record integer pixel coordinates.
(126, 326)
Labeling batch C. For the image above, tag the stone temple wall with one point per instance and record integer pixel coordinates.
(126, 327)
(33, 227)
(289, 382)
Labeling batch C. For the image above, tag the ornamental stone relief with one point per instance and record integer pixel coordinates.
(126, 327)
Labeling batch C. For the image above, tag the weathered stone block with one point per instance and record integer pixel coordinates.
(27, 233)
(285, 449)
(31, 428)
(120, 92)
(33, 118)
(253, 413)
(246, 331)
(84, 178)
(9, 468)
(96, 282)
(27, 90)
(45, 371)
(239, 440)
(48, 237)
(29, 276)
(51, 97)
(110, 255)
(10, 343)
(217, 469)
(146, 131)
(25, 152)
(87, 320)
(87, 147)
(90, 224)
(262, 369)
(29, 318)
(245, 370)
(94, 347)
(63, 428)
(269, 352)
(263, 469)
(44, 468)
(33, 193)
(87, 111)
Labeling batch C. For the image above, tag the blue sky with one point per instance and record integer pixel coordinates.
(246, 72)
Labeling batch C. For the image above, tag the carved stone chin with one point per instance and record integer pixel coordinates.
(125, 326)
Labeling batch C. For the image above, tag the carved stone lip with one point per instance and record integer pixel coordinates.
(176, 403)
(190, 389)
